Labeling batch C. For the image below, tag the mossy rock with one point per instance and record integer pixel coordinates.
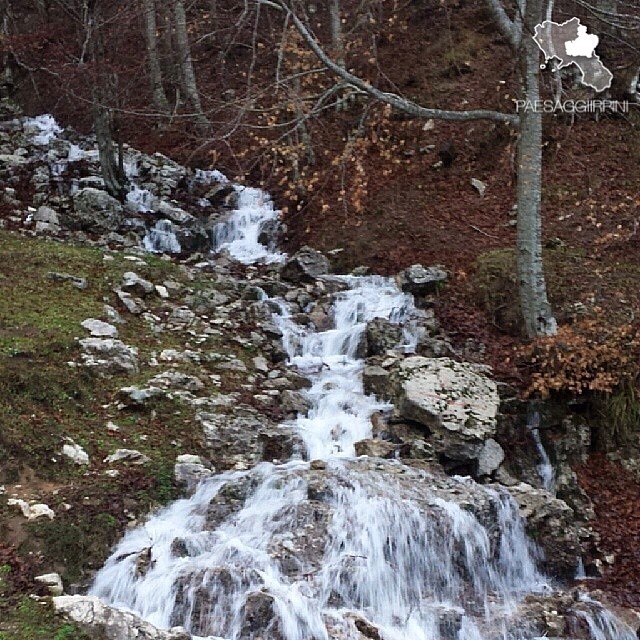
(495, 289)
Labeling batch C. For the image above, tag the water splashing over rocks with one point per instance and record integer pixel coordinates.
(327, 545)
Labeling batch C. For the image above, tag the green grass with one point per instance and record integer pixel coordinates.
(31, 620)
(43, 400)
(41, 315)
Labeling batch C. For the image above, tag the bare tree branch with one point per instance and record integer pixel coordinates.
(508, 28)
(398, 102)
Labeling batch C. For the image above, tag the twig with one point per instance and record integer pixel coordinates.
(484, 233)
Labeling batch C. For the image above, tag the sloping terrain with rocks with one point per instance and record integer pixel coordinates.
(137, 367)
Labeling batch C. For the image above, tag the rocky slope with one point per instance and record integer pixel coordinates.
(131, 377)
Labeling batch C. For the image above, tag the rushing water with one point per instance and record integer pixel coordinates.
(544, 466)
(319, 550)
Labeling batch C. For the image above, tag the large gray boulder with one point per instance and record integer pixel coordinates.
(114, 624)
(305, 266)
(109, 356)
(552, 524)
(381, 336)
(456, 403)
(422, 281)
(94, 210)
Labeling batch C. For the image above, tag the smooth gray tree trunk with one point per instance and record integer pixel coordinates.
(183, 52)
(110, 167)
(155, 72)
(536, 310)
(337, 43)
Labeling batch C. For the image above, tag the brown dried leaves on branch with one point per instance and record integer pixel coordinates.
(586, 356)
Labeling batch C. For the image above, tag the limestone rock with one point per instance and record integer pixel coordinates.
(134, 284)
(551, 523)
(139, 397)
(32, 511)
(114, 624)
(99, 329)
(47, 216)
(76, 281)
(75, 452)
(133, 305)
(422, 281)
(173, 212)
(376, 448)
(94, 210)
(381, 336)
(133, 456)
(490, 458)
(109, 356)
(456, 402)
(305, 266)
(376, 381)
(190, 469)
(177, 380)
(52, 581)
(293, 402)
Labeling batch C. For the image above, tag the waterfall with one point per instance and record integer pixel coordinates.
(330, 545)
(544, 467)
(240, 232)
(162, 238)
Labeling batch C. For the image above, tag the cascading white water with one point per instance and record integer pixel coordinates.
(239, 233)
(335, 545)
(544, 467)
(162, 238)
(341, 412)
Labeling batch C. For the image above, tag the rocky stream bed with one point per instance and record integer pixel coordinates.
(351, 477)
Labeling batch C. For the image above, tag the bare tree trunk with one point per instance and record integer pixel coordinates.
(111, 174)
(536, 311)
(150, 31)
(104, 91)
(337, 37)
(337, 43)
(213, 14)
(186, 64)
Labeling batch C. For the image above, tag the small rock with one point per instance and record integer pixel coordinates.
(99, 329)
(305, 266)
(108, 356)
(190, 469)
(75, 452)
(376, 448)
(133, 305)
(490, 458)
(479, 186)
(46, 215)
(52, 581)
(32, 511)
(132, 456)
(293, 402)
(139, 396)
(162, 291)
(422, 281)
(94, 209)
(112, 315)
(261, 364)
(173, 212)
(177, 380)
(77, 282)
(133, 283)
